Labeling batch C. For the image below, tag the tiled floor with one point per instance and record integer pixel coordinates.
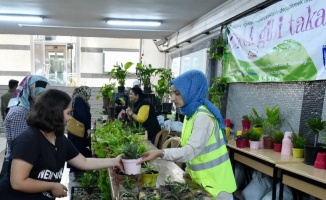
(65, 176)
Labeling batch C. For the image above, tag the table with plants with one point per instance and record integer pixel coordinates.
(164, 180)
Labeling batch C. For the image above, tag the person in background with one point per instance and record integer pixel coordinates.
(203, 145)
(143, 112)
(40, 152)
(7, 96)
(20, 104)
(136, 83)
(81, 112)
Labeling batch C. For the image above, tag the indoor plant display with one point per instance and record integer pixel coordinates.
(217, 90)
(145, 74)
(119, 73)
(298, 145)
(317, 127)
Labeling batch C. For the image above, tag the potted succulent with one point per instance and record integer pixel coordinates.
(217, 90)
(131, 156)
(317, 127)
(277, 140)
(119, 73)
(298, 143)
(145, 73)
(149, 174)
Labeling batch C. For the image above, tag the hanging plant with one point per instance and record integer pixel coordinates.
(217, 90)
(216, 50)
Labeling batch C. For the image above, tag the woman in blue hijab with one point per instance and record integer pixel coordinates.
(203, 143)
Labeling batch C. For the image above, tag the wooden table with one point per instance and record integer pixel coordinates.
(304, 178)
(263, 160)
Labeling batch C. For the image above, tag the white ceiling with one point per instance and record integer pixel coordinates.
(87, 17)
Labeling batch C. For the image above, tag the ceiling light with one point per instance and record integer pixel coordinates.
(122, 22)
(21, 18)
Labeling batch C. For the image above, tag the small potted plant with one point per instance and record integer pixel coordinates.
(145, 73)
(254, 138)
(149, 174)
(298, 143)
(106, 92)
(317, 127)
(277, 140)
(162, 88)
(131, 156)
(119, 73)
(245, 123)
(270, 125)
(241, 141)
(256, 120)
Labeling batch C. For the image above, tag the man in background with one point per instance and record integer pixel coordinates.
(7, 96)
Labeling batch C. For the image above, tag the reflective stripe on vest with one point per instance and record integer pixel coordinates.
(212, 147)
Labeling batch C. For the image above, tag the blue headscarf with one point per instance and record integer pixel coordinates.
(193, 87)
(28, 89)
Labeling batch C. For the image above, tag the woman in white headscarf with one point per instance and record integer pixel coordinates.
(81, 112)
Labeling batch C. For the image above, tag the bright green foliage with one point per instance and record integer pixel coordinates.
(217, 90)
(163, 84)
(256, 119)
(119, 72)
(146, 73)
(298, 141)
(106, 91)
(316, 125)
(277, 137)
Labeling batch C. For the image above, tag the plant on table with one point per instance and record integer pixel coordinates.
(277, 137)
(146, 73)
(272, 121)
(106, 91)
(256, 119)
(162, 88)
(254, 135)
(120, 72)
(316, 126)
(298, 141)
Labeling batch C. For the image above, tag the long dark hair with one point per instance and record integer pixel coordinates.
(139, 92)
(47, 112)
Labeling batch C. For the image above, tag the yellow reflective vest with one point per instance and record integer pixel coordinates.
(212, 167)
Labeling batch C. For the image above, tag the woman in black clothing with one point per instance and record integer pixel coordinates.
(143, 112)
(81, 112)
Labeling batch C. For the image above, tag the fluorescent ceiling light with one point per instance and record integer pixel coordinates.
(21, 18)
(122, 22)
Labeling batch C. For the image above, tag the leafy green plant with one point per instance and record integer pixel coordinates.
(278, 137)
(254, 135)
(134, 150)
(297, 141)
(149, 168)
(106, 91)
(119, 72)
(162, 88)
(316, 125)
(89, 178)
(145, 73)
(216, 50)
(217, 90)
(272, 121)
(245, 117)
(256, 119)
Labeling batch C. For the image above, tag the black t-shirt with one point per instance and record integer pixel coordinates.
(47, 159)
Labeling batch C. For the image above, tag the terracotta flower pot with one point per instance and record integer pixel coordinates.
(268, 143)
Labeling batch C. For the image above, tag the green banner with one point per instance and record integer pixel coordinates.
(284, 42)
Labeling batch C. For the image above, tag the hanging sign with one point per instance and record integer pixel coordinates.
(284, 42)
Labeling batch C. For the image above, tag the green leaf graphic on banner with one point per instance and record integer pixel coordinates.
(288, 61)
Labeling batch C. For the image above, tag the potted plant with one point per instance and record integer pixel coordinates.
(128, 189)
(317, 127)
(277, 140)
(106, 92)
(145, 73)
(149, 174)
(298, 143)
(119, 73)
(256, 120)
(162, 88)
(245, 123)
(254, 138)
(241, 141)
(217, 90)
(131, 156)
(270, 125)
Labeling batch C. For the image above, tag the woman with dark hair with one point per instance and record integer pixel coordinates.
(81, 111)
(143, 113)
(39, 153)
